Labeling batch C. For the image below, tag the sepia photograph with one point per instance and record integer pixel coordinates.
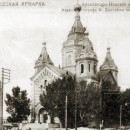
(64, 65)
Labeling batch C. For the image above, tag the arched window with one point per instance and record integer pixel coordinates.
(41, 87)
(94, 69)
(69, 60)
(89, 67)
(82, 68)
(45, 83)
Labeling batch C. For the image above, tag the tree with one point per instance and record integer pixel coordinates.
(54, 101)
(111, 100)
(89, 104)
(18, 105)
(125, 102)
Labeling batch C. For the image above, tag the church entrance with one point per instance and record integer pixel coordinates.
(43, 116)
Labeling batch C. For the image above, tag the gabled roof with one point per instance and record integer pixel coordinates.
(103, 75)
(60, 72)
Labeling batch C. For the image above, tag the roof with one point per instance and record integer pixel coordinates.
(57, 70)
(77, 31)
(60, 71)
(87, 77)
(102, 75)
(109, 62)
(43, 58)
(77, 26)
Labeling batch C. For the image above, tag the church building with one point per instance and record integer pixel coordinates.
(78, 58)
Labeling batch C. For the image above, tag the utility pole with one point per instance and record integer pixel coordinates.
(1, 107)
(75, 105)
(66, 113)
(120, 116)
(4, 80)
(76, 111)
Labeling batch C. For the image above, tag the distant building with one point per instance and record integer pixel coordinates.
(78, 58)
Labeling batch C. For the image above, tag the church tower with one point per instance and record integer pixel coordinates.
(74, 43)
(109, 64)
(39, 81)
(78, 55)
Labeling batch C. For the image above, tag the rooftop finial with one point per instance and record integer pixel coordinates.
(108, 47)
(44, 41)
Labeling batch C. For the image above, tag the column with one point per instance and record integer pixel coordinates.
(41, 118)
(37, 118)
(49, 119)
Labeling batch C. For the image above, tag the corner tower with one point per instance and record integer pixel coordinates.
(109, 64)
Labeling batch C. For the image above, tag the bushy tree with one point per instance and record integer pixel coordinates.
(18, 105)
(54, 99)
(88, 104)
(87, 101)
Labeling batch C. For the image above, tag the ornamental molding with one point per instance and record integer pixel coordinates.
(45, 73)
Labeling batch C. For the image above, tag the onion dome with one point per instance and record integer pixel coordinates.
(43, 58)
(109, 63)
(77, 7)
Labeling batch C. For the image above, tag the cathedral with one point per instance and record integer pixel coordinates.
(78, 58)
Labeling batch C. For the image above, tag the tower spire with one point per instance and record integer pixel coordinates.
(44, 57)
(108, 46)
(44, 40)
(109, 61)
(77, 26)
(109, 64)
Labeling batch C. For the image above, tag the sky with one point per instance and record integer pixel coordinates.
(24, 28)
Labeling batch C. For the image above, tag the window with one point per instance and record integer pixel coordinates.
(41, 87)
(82, 68)
(116, 74)
(69, 60)
(94, 69)
(45, 83)
(89, 67)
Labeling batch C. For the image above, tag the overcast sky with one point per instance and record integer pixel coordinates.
(22, 32)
